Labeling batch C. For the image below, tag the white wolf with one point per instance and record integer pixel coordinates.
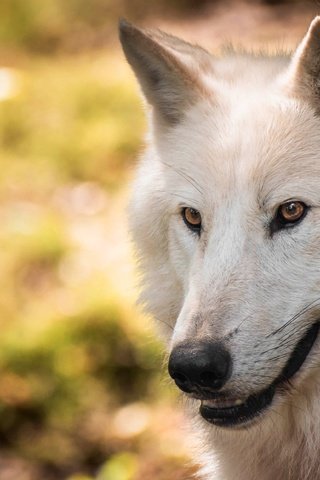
(225, 216)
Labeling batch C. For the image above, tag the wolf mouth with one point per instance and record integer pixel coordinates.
(242, 412)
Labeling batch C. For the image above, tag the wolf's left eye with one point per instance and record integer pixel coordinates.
(288, 214)
(192, 219)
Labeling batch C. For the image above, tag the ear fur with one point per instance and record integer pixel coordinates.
(167, 69)
(305, 66)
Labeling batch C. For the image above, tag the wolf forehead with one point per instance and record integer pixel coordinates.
(261, 157)
(269, 139)
(240, 114)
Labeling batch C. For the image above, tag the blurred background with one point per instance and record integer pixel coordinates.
(83, 394)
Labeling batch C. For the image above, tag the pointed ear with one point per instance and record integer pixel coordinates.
(168, 70)
(305, 67)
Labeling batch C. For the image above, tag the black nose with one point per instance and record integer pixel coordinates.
(200, 366)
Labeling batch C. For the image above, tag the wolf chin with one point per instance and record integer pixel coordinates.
(225, 217)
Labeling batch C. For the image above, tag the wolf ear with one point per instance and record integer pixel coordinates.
(305, 66)
(167, 69)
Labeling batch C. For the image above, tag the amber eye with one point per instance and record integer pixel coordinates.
(192, 218)
(291, 211)
(289, 214)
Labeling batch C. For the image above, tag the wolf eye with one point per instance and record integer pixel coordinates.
(192, 218)
(288, 214)
(291, 211)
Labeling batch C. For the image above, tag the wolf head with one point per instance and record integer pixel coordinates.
(225, 215)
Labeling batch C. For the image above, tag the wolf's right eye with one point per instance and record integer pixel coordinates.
(288, 215)
(192, 218)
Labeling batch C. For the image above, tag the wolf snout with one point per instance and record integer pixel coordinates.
(200, 366)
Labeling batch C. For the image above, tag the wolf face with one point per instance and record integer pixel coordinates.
(225, 215)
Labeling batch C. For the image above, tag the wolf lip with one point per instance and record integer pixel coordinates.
(234, 412)
(238, 414)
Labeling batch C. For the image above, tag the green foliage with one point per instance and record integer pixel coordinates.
(120, 467)
(53, 382)
(43, 26)
(72, 119)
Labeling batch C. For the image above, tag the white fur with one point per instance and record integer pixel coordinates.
(235, 156)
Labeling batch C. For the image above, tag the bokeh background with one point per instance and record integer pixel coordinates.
(83, 394)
